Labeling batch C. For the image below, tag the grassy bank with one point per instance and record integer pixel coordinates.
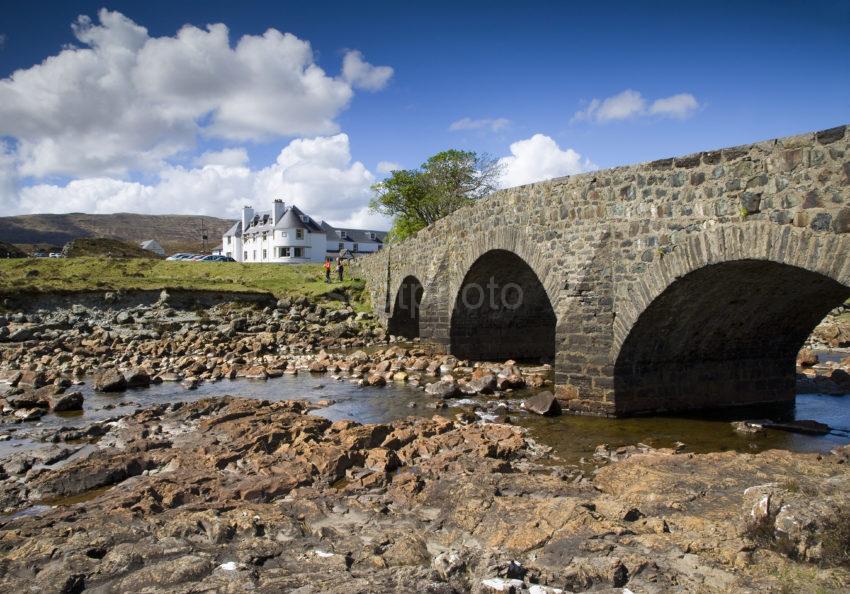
(86, 274)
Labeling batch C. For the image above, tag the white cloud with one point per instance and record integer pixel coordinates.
(631, 104)
(539, 158)
(2, 40)
(491, 124)
(232, 157)
(8, 174)
(362, 75)
(317, 174)
(386, 167)
(679, 106)
(127, 102)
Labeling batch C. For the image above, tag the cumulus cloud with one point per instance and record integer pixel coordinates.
(125, 101)
(232, 157)
(388, 167)
(491, 124)
(679, 106)
(318, 174)
(362, 75)
(631, 104)
(539, 158)
(8, 174)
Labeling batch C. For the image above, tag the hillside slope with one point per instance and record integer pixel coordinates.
(173, 232)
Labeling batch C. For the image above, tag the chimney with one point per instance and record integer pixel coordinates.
(278, 209)
(247, 215)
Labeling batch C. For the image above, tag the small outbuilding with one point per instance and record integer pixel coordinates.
(152, 245)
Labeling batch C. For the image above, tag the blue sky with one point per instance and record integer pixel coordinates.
(750, 71)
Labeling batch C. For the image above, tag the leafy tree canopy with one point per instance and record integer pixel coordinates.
(415, 198)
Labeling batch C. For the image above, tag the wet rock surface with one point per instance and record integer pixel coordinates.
(234, 495)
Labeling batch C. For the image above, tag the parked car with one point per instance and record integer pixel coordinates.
(56, 255)
(39, 255)
(179, 256)
(217, 258)
(196, 257)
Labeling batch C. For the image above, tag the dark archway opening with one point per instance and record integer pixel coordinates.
(502, 312)
(724, 335)
(405, 319)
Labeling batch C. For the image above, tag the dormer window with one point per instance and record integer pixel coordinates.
(305, 218)
(372, 235)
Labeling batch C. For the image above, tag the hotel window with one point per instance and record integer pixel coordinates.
(264, 235)
(298, 252)
(245, 255)
(341, 246)
(264, 254)
(299, 234)
(228, 254)
(254, 255)
(283, 233)
(283, 252)
(228, 240)
(354, 248)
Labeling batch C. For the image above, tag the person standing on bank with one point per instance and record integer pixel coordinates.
(339, 268)
(327, 269)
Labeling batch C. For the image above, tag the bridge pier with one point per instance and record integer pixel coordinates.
(681, 284)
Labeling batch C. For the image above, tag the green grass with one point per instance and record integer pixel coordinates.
(89, 273)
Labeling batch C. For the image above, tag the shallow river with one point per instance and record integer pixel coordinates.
(572, 437)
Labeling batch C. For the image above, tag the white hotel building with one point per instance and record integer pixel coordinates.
(286, 235)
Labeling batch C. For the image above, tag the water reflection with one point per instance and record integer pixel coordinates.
(572, 437)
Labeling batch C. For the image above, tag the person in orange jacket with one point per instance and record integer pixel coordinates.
(327, 269)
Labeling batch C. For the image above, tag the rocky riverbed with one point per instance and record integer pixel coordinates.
(232, 494)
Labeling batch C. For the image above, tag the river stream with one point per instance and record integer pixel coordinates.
(572, 437)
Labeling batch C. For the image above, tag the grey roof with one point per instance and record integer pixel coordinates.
(353, 235)
(292, 219)
(262, 221)
(235, 230)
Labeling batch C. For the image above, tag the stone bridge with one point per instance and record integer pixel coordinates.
(684, 283)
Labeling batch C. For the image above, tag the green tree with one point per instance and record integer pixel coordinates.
(415, 198)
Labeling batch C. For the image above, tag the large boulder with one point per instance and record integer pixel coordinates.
(542, 403)
(32, 379)
(66, 402)
(485, 384)
(138, 378)
(443, 389)
(110, 380)
(810, 526)
(807, 358)
(377, 380)
(20, 335)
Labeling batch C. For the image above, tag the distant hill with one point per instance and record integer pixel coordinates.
(174, 232)
(101, 246)
(7, 250)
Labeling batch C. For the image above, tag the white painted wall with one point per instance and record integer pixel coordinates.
(280, 246)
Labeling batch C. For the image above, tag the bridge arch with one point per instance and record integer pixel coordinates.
(719, 320)
(509, 238)
(404, 317)
(501, 311)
